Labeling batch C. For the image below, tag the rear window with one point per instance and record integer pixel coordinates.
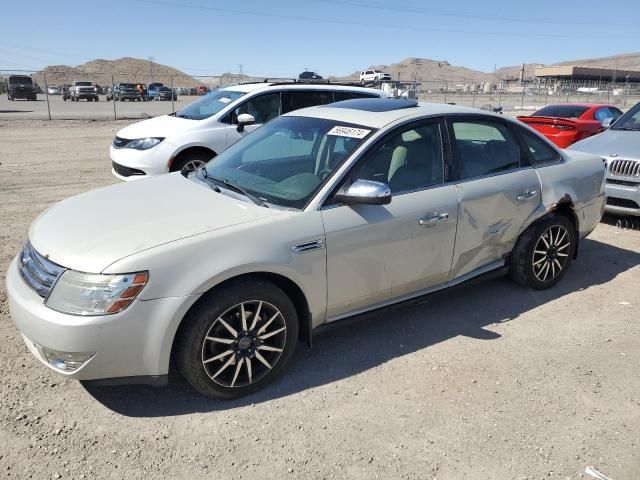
(561, 111)
(84, 84)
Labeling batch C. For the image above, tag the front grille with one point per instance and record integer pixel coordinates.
(625, 183)
(126, 171)
(625, 168)
(39, 272)
(119, 142)
(622, 202)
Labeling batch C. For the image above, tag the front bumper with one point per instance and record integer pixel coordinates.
(133, 343)
(154, 161)
(623, 196)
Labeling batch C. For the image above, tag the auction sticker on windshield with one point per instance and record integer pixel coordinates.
(224, 100)
(348, 132)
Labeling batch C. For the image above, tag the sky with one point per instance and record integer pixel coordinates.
(332, 37)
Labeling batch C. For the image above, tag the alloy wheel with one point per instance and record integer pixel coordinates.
(192, 166)
(244, 344)
(551, 253)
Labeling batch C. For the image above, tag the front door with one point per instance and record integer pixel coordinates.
(262, 107)
(378, 254)
(498, 191)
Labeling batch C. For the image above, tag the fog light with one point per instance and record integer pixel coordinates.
(64, 361)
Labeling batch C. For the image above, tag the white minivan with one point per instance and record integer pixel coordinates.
(190, 137)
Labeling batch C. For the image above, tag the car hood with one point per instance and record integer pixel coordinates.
(617, 143)
(162, 126)
(90, 231)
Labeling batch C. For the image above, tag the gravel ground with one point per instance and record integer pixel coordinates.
(488, 381)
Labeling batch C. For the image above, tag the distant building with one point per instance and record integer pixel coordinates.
(561, 77)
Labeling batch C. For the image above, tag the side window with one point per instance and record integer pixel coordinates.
(484, 147)
(410, 160)
(602, 113)
(295, 100)
(263, 108)
(539, 150)
(615, 113)
(340, 95)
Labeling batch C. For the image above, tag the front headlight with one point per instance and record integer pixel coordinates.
(144, 143)
(95, 294)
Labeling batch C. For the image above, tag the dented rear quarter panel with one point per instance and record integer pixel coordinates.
(578, 180)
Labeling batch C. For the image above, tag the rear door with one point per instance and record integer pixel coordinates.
(497, 188)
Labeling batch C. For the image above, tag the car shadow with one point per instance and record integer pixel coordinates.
(350, 347)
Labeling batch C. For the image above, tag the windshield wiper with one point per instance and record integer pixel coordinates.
(237, 188)
(205, 176)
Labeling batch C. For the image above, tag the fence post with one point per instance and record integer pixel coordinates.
(113, 99)
(473, 102)
(500, 96)
(522, 98)
(46, 91)
(446, 87)
(173, 108)
(626, 92)
(546, 95)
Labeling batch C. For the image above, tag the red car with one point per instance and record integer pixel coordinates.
(566, 123)
(202, 90)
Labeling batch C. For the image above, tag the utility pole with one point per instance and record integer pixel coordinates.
(151, 59)
(240, 68)
(626, 91)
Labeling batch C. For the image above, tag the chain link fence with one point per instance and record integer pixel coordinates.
(55, 98)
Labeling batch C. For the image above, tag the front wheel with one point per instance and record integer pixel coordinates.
(237, 339)
(544, 252)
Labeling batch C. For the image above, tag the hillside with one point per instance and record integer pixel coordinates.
(124, 69)
(424, 69)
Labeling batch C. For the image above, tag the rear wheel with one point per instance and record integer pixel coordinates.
(544, 252)
(237, 339)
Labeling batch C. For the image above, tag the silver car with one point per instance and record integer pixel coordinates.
(620, 146)
(322, 214)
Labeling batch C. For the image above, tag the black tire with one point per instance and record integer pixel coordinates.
(553, 264)
(202, 322)
(190, 158)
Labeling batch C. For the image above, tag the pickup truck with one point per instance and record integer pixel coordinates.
(83, 90)
(124, 91)
(372, 76)
(21, 86)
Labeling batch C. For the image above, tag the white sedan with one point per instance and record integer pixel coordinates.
(322, 214)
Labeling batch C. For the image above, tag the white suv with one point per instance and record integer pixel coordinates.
(370, 76)
(188, 138)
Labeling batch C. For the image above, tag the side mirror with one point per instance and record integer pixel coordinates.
(245, 119)
(366, 192)
(607, 122)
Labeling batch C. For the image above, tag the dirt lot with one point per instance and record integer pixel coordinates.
(490, 381)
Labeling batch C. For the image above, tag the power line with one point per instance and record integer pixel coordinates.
(475, 16)
(355, 23)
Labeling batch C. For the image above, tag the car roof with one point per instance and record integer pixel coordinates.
(266, 86)
(363, 112)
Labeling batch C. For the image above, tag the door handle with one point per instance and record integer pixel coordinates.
(526, 194)
(437, 217)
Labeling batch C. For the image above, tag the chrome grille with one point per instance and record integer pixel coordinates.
(39, 273)
(625, 168)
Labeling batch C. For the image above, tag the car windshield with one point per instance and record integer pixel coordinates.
(287, 160)
(83, 84)
(561, 111)
(20, 80)
(209, 104)
(127, 85)
(629, 121)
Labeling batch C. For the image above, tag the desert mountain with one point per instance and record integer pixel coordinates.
(124, 69)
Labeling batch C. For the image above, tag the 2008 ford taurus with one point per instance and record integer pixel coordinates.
(321, 214)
